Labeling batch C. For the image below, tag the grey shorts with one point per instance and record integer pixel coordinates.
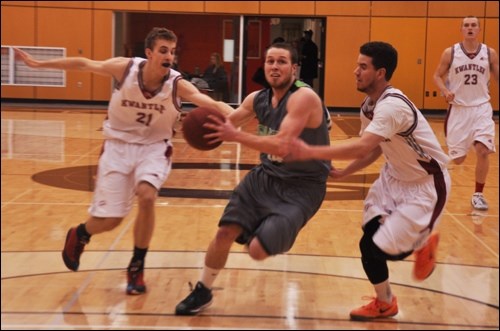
(272, 209)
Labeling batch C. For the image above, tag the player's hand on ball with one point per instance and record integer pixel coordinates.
(223, 130)
(194, 130)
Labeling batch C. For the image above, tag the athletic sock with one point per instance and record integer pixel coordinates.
(82, 233)
(479, 187)
(208, 276)
(137, 261)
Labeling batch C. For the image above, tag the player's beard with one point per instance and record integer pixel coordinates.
(366, 88)
(281, 84)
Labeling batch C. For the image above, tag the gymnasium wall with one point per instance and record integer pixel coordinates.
(420, 30)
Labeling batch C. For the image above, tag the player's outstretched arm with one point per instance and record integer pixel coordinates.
(365, 150)
(113, 66)
(188, 92)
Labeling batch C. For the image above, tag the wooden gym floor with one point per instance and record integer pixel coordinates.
(48, 161)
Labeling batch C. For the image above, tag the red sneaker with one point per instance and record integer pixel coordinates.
(425, 258)
(375, 309)
(73, 248)
(135, 282)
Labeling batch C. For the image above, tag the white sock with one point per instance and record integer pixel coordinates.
(208, 276)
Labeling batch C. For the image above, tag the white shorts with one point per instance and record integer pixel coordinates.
(122, 166)
(407, 210)
(464, 125)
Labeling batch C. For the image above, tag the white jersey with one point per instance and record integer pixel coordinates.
(138, 116)
(411, 148)
(469, 75)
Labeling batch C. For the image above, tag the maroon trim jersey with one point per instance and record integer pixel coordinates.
(138, 116)
(469, 76)
(410, 148)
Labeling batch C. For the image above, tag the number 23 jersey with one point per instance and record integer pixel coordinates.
(469, 75)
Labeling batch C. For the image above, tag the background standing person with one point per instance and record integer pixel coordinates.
(463, 75)
(275, 200)
(404, 205)
(309, 59)
(136, 158)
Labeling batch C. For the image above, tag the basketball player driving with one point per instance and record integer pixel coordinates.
(275, 200)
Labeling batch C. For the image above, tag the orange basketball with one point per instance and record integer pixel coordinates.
(193, 130)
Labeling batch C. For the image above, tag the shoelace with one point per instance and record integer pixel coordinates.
(84, 240)
(479, 199)
(374, 304)
(373, 301)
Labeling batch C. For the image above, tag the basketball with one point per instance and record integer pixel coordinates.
(193, 130)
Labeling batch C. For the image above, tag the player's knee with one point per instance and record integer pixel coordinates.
(256, 251)
(146, 201)
(366, 246)
(146, 195)
(481, 150)
(373, 260)
(369, 249)
(459, 160)
(227, 234)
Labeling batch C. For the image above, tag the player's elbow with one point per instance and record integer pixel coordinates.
(224, 108)
(436, 78)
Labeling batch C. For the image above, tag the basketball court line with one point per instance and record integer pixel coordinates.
(443, 280)
(116, 327)
(473, 234)
(169, 203)
(12, 201)
(86, 155)
(85, 283)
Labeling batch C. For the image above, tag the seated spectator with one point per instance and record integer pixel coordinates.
(214, 78)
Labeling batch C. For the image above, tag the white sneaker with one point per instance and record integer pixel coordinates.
(478, 201)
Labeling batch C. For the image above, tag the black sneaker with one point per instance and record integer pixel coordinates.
(199, 299)
(73, 248)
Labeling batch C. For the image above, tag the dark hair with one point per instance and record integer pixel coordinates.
(308, 32)
(293, 51)
(278, 40)
(158, 33)
(383, 56)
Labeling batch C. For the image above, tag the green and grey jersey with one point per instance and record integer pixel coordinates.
(270, 120)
